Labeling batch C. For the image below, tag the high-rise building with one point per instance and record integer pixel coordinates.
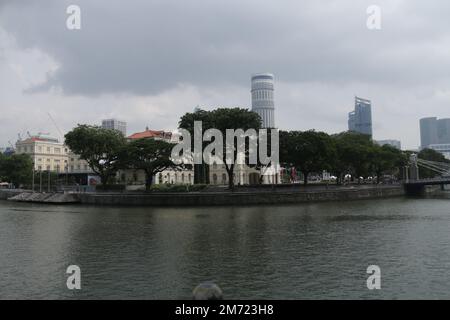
(115, 124)
(434, 131)
(360, 120)
(263, 98)
(391, 142)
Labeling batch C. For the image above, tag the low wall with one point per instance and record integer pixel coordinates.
(239, 198)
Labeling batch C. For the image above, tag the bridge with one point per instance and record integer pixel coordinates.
(414, 185)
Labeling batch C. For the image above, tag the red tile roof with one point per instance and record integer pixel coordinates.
(150, 134)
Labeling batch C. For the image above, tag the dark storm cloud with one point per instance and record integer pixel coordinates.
(145, 47)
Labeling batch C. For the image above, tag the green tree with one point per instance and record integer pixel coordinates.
(223, 119)
(150, 155)
(307, 151)
(99, 147)
(16, 169)
(353, 151)
(386, 159)
(201, 171)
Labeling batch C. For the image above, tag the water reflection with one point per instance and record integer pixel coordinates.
(293, 251)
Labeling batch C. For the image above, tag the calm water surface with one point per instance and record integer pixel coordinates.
(291, 252)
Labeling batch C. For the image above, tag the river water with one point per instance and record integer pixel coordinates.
(301, 251)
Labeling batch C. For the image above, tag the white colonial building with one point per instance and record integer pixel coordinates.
(49, 154)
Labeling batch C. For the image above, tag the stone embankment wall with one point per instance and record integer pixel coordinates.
(239, 198)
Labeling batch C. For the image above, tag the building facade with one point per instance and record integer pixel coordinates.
(360, 119)
(434, 131)
(49, 154)
(435, 134)
(262, 92)
(136, 178)
(115, 124)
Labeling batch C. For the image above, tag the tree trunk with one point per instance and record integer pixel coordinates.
(148, 181)
(230, 172)
(305, 178)
(105, 179)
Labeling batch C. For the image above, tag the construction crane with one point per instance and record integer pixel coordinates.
(56, 126)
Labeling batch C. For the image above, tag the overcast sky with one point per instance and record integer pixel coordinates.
(148, 62)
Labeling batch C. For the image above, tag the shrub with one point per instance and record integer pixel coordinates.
(176, 187)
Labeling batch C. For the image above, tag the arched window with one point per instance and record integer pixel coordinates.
(214, 178)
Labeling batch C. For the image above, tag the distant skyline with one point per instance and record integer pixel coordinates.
(149, 62)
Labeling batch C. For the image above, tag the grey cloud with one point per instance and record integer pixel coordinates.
(145, 47)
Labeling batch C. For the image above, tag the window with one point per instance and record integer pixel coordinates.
(57, 150)
(48, 149)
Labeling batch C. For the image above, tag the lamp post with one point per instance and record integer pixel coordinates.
(32, 179)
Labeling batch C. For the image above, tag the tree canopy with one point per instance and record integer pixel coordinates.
(16, 169)
(99, 147)
(148, 154)
(221, 119)
(307, 151)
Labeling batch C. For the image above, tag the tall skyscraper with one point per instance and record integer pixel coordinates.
(360, 120)
(262, 98)
(115, 124)
(434, 131)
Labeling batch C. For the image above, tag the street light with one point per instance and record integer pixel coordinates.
(32, 179)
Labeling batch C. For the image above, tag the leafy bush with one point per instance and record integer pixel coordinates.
(176, 187)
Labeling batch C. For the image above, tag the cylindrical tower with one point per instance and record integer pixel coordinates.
(262, 98)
